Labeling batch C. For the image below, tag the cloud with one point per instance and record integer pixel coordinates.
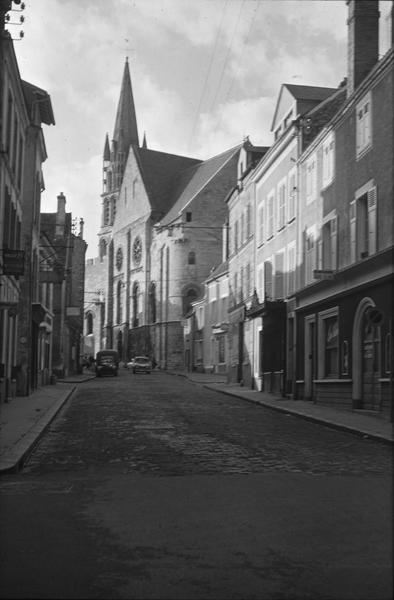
(204, 74)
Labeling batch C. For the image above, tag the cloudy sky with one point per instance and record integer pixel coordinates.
(205, 73)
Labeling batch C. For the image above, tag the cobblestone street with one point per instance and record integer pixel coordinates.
(151, 486)
(157, 424)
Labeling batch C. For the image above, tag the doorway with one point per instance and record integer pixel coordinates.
(371, 365)
(310, 357)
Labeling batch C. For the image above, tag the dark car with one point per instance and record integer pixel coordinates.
(107, 363)
(142, 364)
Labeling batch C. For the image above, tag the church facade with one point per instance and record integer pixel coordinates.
(162, 227)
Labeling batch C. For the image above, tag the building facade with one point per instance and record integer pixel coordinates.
(160, 236)
(345, 298)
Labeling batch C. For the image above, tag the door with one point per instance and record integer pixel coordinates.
(240, 350)
(310, 357)
(371, 357)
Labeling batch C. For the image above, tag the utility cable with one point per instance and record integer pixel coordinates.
(207, 74)
(227, 56)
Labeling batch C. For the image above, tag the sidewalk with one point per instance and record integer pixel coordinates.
(355, 421)
(25, 419)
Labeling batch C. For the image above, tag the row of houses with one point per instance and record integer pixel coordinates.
(270, 264)
(42, 256)
(302, 303)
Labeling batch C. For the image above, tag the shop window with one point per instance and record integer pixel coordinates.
(328, 343)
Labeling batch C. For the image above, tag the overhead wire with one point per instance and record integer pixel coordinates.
(204, 87)
(227, 55)
(253, 20)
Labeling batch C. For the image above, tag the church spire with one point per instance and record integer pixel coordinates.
(107, 153)
(144, 144)
(125, 130)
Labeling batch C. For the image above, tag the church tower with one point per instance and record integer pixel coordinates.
(115, 158)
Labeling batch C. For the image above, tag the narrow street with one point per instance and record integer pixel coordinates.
(150, 486)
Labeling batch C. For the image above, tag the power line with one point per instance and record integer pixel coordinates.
(207, 74)
(227, 55)
(257, 6)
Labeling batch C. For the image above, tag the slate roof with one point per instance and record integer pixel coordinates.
(32, 93)
(309, 92)
(218, 271)
(125, 130)
(195, 179)
(321, 115)
(161, 173)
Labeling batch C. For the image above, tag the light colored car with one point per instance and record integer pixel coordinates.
(130, 364)
(142, 364)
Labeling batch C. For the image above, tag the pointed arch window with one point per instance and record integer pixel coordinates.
(89, 323)
(103, 249)
(119, 304)
(107, 212)
(152, 302)
(135, 304)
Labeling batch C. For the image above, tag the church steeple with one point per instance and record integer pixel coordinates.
(106, 153)
(144, 144)
(125, 130)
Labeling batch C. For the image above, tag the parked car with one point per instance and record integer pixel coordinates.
(142, 364)
(107, 363)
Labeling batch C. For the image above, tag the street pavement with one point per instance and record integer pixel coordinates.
(25, 419)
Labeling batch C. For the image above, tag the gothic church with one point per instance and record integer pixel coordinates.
(163, 227)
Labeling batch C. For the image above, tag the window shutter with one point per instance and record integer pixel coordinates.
(268, 280)
(333, 245)
(279, 275)
(320, 252)
(353, 231)
(372, 213)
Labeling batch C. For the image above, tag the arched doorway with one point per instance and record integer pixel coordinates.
(366, 358)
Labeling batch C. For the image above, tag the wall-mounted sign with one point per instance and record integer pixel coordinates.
(323, 274)
(13, 262)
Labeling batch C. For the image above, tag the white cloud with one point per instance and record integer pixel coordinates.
(241, 50)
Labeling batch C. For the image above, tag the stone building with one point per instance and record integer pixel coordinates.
(24, 108)
(160, 235)
(345, 297)
(62, 288)
(14, 121)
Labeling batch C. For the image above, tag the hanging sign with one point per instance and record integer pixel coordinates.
(13, 262)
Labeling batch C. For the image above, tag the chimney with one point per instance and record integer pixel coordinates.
(61, 214)
(363, 40)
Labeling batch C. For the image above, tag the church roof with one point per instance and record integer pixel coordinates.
(195, 179)
(161, 173)
(125, 130)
